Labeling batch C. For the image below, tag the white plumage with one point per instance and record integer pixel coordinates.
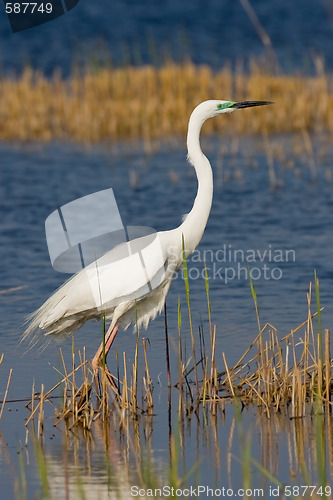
(126, 295)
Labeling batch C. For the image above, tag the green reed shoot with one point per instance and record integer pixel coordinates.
(255, 300)
(321, 447)
(208, 301)
(187, 290)
(42, 468)
(256, 306)
(245, 446)
(20, 485)
(180, 363)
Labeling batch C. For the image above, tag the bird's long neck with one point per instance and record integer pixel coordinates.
(194, 225)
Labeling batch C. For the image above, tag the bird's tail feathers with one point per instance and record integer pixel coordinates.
(50, 320)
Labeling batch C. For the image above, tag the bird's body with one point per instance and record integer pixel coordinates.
(125, 299)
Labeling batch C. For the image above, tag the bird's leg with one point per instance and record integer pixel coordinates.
(109, 338)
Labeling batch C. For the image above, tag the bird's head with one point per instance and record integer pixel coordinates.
(209, 109)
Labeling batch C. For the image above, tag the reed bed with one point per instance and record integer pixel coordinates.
(291, 375)
(289, 379)
(123, 438)
(150, 103)
(125, 457)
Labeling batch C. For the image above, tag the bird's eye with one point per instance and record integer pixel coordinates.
(219, 106)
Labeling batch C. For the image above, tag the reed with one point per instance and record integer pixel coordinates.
(152, 103)
(282, 379)
(3, 402)
(187, 291)
(292, 373)
(130, 459)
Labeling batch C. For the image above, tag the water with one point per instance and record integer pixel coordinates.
(209, 32)
(248, 216)
(287, 228)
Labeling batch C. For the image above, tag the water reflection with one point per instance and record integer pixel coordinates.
(247, 215)
(115, 461)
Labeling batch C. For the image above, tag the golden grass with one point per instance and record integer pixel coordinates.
(152, 103)
(289, 379)
(285, 384)
(291, 375)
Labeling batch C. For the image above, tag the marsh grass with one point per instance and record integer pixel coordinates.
(290, 374)
(288, 379)
(152, 103)
(129, 458)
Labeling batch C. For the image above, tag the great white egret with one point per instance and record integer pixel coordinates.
(126, 300)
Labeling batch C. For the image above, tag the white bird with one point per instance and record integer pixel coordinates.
(131, 288)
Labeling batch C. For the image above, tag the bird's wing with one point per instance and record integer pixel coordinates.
(128, 272)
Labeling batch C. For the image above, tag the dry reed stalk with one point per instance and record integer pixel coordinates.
(280, 373)
(297, 394)
(124, 399)
(6, 391)
(328, 365)
(148, 383)
(276, 382)
(104, 396)
(213, 371)
(32, 402)
(72, 408)
(40, 426)
(134, 388)
(231, 385)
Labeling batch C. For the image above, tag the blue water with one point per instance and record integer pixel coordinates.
(210, 32)
(247, 215)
